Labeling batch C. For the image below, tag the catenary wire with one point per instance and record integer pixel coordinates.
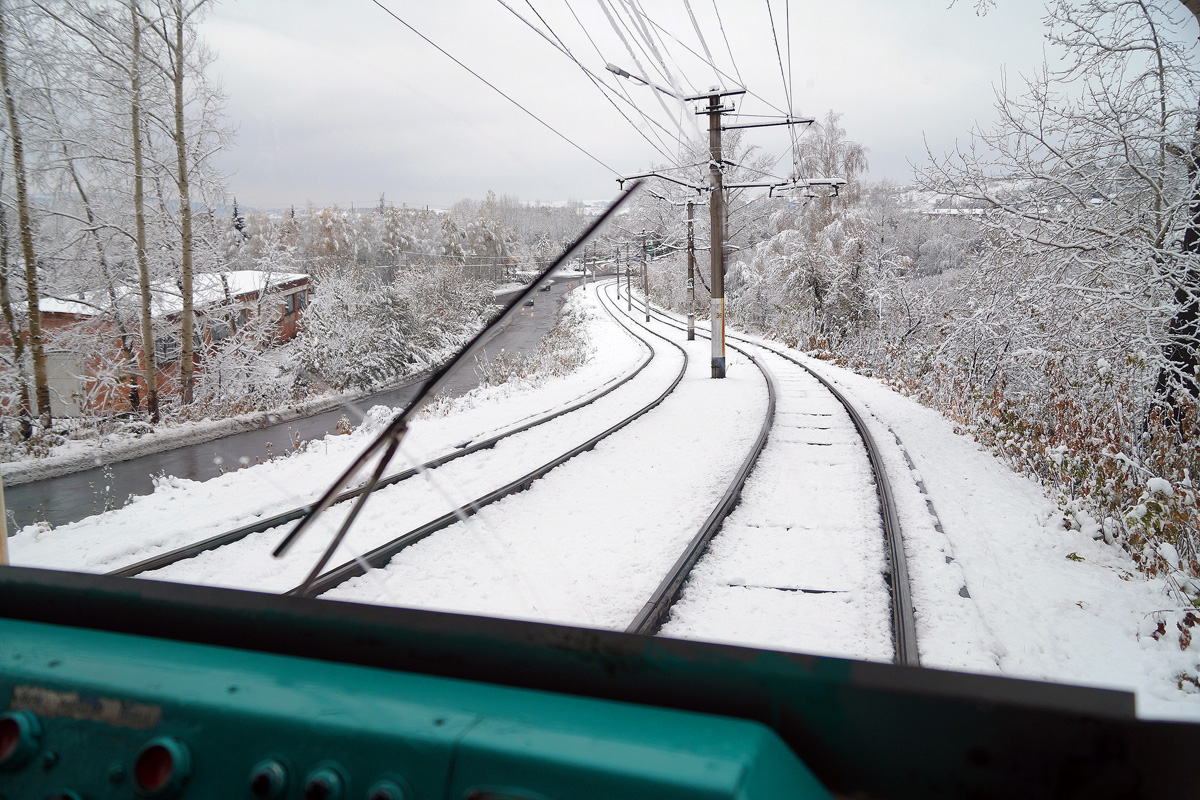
(722, 73)
(493, 87)
(725, 36)
(703, 42)
(660, 49)
(562, 48)
(613, 23)
(620, 84)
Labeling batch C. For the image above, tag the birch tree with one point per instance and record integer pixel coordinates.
(174, 28)
(24, 221)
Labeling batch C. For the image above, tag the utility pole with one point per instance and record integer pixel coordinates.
(716, 209)
(716, 188)
(645, 279)
(617, 261)
(691, 281)
(628, 269)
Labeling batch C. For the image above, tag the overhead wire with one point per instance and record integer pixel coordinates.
(639, 17)
(661, 48)
(732, 60)
(613, 23)
(779, 55)
(703, 43)
(787, 7)
(494, 88)
(641, 46)
(620, 85)
(724, 75)
(561, 46)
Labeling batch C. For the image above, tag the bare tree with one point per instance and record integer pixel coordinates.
(174, 28)
(24, 224)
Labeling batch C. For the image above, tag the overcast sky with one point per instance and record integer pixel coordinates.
(338, 102)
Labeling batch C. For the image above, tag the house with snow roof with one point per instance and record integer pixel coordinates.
(88, 334)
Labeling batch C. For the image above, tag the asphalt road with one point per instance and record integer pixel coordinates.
(72, 497)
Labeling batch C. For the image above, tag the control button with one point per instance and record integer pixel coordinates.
(19, 735)
(162, 767)
(268, 780)
(386, 790)
(324, 783)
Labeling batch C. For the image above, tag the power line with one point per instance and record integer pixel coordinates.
(492, 86)
(561, 46)
(732, 60)
(649, 33)
(621, 86)
(720, 72)
(703, 43)
(613, 24)
(779, 55)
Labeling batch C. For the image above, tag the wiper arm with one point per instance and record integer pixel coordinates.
(389, 439)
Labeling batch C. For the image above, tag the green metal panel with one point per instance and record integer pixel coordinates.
(100, 696)
(864, 729)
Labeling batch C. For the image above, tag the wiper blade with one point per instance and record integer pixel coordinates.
(389, 439)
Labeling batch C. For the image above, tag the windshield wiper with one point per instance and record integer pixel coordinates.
(389, 439)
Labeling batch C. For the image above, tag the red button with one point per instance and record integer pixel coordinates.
(10, 737)
(153, 769)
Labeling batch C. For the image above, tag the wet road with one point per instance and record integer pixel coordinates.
(72, 497)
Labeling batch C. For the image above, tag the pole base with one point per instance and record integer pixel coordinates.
(718, 368)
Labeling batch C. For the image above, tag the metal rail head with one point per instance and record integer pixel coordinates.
(904, 627)
(655, 611)
(394, 432)
(382, 555)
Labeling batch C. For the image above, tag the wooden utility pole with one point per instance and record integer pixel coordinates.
(691, 280)
(645, 280)
(617, 261)
(628, 290)
(716, 209)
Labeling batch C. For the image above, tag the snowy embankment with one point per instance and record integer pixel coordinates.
(999, 586)
(78, 455)
(1045, 602)
(182, 511)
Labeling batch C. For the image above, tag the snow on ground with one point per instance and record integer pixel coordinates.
(393, 510)
(800, 563)
(181, 511)
(588, 543)
(76, 455)
(1034, 612)
(997, 586)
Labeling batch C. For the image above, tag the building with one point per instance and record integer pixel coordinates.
(87, 369)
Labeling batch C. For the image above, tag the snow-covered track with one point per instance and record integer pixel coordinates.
(656, 610)
(465, 449)
(903, 625)
(903, 618)
(382, 555)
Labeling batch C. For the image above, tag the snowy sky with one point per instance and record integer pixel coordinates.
(336, 103)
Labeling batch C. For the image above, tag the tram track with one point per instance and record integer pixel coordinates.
(654, 611)
(903, 625)
(670, 544)
(381, 554)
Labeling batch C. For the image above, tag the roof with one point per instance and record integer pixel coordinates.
(208, 289)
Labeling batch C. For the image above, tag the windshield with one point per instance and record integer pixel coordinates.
(816, 386)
